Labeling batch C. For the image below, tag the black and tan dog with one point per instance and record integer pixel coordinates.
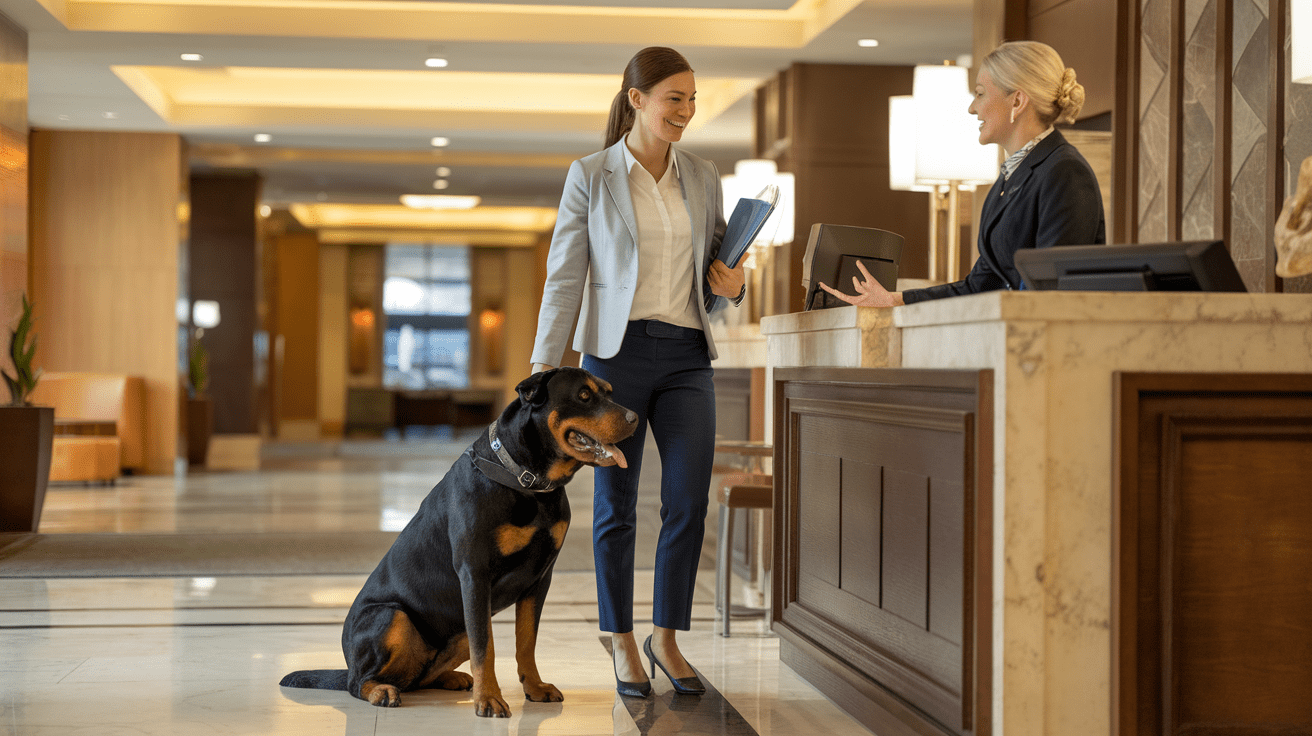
(484, 538)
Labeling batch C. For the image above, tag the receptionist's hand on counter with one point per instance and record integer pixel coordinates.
(869, 292)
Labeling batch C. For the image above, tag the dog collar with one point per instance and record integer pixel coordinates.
(509, 472)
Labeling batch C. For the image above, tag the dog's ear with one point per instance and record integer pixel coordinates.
(533, 390)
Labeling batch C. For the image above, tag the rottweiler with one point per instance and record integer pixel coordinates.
(484, 538)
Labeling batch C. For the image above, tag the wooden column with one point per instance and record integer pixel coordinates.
(223, 251)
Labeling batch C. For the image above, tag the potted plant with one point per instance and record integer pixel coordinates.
(29, 432)
(200, 408)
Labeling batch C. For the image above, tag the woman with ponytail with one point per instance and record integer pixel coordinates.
(1047, 195)
(634, 252)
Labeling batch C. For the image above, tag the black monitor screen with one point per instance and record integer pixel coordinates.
(1202, 265)
(831, 256)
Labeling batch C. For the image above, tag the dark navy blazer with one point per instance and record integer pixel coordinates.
(1051, 199)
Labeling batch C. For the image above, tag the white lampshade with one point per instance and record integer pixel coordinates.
(1300, 46)
(205, 314)
(902, 145)
(947, 136)
(749, 177)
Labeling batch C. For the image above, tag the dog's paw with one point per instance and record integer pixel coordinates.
(543, 692)
(455, 680)
(384, 696)
(491, 706)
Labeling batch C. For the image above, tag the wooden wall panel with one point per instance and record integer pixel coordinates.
(223, 259)
(333, 329)
(297, 330)
(864, 511)
(1213, 529)
(364, 291)
(1083, 32)
(13, 179)
(875, 551)
(836, 145)
(104, 264)
(905, 542)
(733, 397)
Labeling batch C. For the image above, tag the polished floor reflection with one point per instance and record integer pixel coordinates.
(203, 654)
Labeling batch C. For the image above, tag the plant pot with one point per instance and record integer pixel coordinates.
(200, 425)
(29, 433)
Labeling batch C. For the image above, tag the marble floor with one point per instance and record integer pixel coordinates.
(203, 655)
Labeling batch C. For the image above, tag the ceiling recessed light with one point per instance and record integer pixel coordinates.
(443, 171)
(263, 137)
(435, 63)
(192, 57)
(265, 210)
(110, 115)
(439, 201)
(867, 43)
(441, 184)
(440, 141)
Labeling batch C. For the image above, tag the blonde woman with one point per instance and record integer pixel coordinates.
(1046, 194)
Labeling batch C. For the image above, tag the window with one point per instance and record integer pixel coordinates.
(426, 298)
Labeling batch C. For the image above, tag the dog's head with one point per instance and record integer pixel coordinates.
(575, 410)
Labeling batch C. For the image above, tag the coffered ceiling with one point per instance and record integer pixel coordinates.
(347, 107)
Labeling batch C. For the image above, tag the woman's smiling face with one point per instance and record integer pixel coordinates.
(993, 108)
(665, 112)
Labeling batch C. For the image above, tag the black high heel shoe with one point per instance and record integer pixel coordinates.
(683, 685)
(631, 689)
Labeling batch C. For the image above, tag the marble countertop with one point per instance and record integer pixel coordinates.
(1086, 306)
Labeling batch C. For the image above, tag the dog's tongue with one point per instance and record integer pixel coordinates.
(619, 456)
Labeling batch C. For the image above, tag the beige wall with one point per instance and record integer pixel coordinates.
(507, 279)
(104, 264)
(13, 183)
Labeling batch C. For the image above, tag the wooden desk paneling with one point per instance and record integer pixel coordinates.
(1213, 531)
(883, 542)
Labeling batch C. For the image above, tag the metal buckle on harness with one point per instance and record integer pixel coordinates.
(532, 479)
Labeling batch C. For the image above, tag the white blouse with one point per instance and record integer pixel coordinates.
(665, 254)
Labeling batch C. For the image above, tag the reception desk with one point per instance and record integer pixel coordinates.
(1048, 513)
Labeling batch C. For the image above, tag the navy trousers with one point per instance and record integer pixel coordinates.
(663, 373)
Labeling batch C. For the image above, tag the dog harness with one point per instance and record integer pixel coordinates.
(508, 473)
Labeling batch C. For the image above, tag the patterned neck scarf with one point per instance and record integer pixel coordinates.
(1013, 161)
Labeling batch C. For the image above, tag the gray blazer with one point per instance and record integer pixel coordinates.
(592, 268)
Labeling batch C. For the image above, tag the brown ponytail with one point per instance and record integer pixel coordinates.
(645, 70)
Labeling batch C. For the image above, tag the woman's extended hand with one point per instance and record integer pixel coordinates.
(870, 293)
(726, 282)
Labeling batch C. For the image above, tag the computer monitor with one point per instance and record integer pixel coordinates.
(831, 256)
(1202, 265)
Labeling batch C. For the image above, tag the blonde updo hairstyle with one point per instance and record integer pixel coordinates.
(1037, 70)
